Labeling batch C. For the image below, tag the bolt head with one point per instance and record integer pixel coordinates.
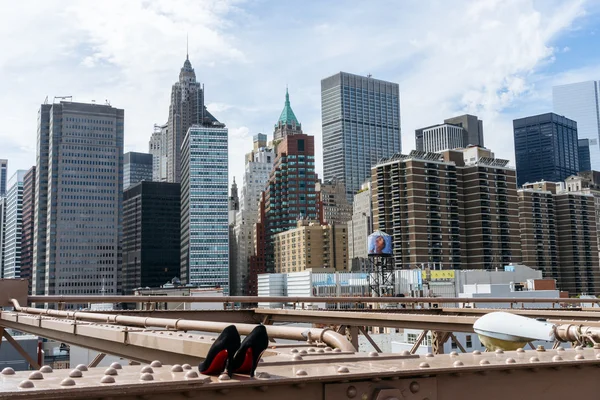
(67, 382)
(46, 369)
(429, 355)
(541, 348)
(373, 354)
(146, 377)
(424, 365)
(510, 361)
(453, 354)
(458, 364)
(191, 375)
(520, 350)
(557, 358)
(579, 357)
(560, 348)
(116, 365)
(147, 370)
(343, 369)
(75, 374)
(36, 375)
(484, 362)
(477, 352)
(176, 368)
(499, 351)
(301, 372)
(156, 364)
(8, 371)
(110, 371)
(107, 379)
(297, 358)
(263, 375)
(351, 392)
(26, 384)
(534, 359)
(414, 387)
(82, 367)
(186, 366)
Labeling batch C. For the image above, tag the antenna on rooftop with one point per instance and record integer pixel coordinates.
(369, 76)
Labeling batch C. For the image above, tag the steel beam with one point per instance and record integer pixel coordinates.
(21, 351)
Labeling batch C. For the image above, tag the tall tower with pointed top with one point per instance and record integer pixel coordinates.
(187, 108)
(288, 123)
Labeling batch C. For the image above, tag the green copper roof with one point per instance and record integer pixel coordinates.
(287, 116)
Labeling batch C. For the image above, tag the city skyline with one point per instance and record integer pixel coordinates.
(136, 76)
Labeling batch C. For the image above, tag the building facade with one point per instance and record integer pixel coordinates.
(258, 165)
(204, 207)
(151, 235)
(28, 222)
(78, 206)
(539, 237)
(359, 228)
(546, 148)
(288, 123)
(187, 108)
(158, 148)
(585, 161)
(587, 182)
(577, 243)
(581, 102)
(3, 176)
(462, 131)
(360, 124)
(2, 232)
(13, 227)
(290, 194)
(441, 137)
(311, 245)
(446, 211)
(334, 206)
(137, 167)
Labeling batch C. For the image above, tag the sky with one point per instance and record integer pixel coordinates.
(497, 59)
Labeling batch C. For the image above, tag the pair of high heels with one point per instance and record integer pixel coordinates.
(238, 358)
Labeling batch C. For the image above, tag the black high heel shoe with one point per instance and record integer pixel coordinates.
(221, 352)
(251, 350)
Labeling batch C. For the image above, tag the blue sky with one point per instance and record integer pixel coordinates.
(497, 59)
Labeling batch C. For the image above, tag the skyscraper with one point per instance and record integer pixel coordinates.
(2, 232)
(259, 163)
(158, 148)
(13, 226)
(28, 222)
(585, 161)
(581, 102)
(546, 148)
(3, 176)
(334, 206)
(359, 228)
(137, 167)
(78, 207)
(204, 207)
(462, 131)
(361, 124)
(151, 235)
(187, 108)
(290, 193)
(288, 123)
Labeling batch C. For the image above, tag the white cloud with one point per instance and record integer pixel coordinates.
(485, 57)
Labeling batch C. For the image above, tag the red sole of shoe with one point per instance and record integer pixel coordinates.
(218, 364)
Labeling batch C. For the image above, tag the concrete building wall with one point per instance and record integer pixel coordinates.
(78, 199)
(359, 228)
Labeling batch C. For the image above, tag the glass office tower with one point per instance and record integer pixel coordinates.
(361, 124)
(546, 148)
(204, 207)
(581, 102)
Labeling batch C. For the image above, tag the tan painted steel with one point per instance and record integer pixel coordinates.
(299, 300)
(316, 373)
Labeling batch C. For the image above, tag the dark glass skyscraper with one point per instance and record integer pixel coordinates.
(585, 161)
(151, 235)
(137, 167)
(361, 124)
(546, 148)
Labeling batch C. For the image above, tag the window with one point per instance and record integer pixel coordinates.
(469, 341)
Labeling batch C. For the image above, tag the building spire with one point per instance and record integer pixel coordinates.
(187, 46)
